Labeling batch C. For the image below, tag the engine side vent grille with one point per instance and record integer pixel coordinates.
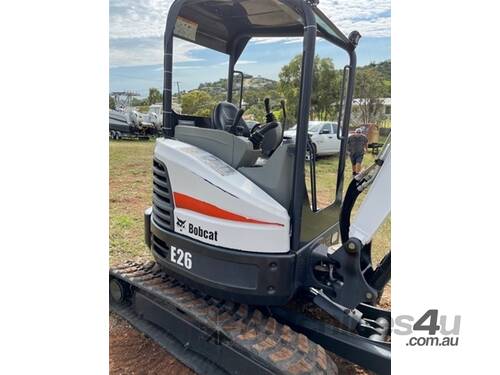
(160, 247)
(163, 207)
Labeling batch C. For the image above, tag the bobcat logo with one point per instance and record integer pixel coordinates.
(181, 224)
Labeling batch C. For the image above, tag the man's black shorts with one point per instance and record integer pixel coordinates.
(357, 157)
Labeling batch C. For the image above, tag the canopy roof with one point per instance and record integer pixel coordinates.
(224, 24)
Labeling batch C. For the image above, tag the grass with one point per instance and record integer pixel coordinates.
(130, 187)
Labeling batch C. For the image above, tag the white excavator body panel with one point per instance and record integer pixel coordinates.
(217, 205)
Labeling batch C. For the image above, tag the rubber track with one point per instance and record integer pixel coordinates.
(277, 345)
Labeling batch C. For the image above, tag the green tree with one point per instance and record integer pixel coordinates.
(326, 88)
(154, 96)
(289, 86)
(370, 88)
(112, 104)
(256, 112)
(198, 103)
(134, 102)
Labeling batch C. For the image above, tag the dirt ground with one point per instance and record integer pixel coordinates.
(130, 352)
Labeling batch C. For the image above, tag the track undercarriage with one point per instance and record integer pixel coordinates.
(215, 336)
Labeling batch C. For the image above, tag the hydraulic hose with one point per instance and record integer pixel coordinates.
(351, 196)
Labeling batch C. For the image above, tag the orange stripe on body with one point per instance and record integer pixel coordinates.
(204, 208)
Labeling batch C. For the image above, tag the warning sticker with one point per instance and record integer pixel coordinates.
(185, 28)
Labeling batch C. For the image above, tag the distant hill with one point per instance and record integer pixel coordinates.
(256, 88)
(265, 86)
(250, 83)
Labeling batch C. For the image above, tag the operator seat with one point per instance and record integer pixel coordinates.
(223, 117)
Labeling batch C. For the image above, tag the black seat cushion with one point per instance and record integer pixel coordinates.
(223, 116)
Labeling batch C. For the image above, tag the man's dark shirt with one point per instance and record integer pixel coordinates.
(357, 143)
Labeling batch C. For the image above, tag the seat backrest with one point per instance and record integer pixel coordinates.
(223, 116)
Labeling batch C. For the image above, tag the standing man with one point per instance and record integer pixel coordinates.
(357, 145)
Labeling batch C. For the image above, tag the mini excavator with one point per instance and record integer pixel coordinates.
(239, 246)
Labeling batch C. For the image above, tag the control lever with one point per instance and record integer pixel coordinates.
(267, 105)
(269, 115)
(258, 135)
(283, 125)
(234, 127)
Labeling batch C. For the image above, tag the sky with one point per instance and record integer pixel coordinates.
(136, 45)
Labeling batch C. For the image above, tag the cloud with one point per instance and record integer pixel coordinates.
(147, 51)
(135, 51)
(187, 67)
(136, 27)
(137, 19)
(246, 62)
(372, 18)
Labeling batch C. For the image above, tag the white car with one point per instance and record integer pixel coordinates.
(323, 135)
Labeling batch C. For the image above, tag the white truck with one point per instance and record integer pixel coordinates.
(323, 136)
